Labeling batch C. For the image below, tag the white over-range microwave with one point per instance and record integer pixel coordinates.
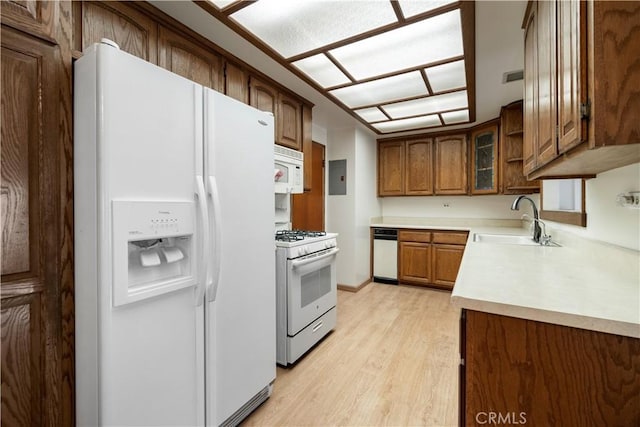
(288, 176)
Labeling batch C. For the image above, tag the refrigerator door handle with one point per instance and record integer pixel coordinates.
(217, 240)
(204, 240)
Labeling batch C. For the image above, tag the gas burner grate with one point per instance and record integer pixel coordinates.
(295, 235)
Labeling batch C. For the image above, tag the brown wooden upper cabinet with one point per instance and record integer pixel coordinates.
(236, 82)
(190, 60)
(511, 176)
(419, 167)
(264, 97)
(484, 159)
(135, 32)
(307, 146)
(391, 168)
(289, 122)
(405, 168)
(451, 164)
(565, 111)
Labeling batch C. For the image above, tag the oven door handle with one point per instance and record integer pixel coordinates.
(298, 264)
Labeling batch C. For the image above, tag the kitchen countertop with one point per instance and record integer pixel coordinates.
(583, 284)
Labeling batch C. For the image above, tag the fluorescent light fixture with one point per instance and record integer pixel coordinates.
(221, 4)
(292, 27)
(372, 114)
(429, 105)
(413, 8)
(447, 76)
(322, 70)
(451, 117)
(407, 124)
(434, 39)
(380, 91)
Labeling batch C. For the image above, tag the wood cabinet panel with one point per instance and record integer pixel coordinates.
(289, 122)
(236, 82)
(512, 178)
(414, 236)
(133, 31)
(414, 263)
(451, 237)
(262, 95)
(530, 91)
(22, 377)
(451, 164)
(553, 375)
(572, 82)
(31, 127)
(588, 98)
(391, 174)
(307, 148)
(20, 180)
(546, 149)
(35, 17)
(184, 57)
(446, 263)
(484, 159)
(614, 74)
(419, 167)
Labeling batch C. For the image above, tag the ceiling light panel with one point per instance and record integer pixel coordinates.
(221, 4)
(372, 114)
(429, 105)
(322, 70)
(292, 27)
(413, 8)
(383, 90)
(407, 124)
(423, 42)
(451, 117)
(447, 76)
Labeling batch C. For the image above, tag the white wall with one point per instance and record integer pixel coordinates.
(606, 221)
(367, 203)
(491, 207)
(350, 214)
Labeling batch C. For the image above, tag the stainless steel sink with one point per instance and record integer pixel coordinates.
(507, 239)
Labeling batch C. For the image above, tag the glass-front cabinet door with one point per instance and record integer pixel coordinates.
(484, 159)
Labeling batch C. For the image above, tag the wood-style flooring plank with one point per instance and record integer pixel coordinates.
(391, 361)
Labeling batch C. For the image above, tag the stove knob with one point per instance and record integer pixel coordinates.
(328, 245)
(306, 249)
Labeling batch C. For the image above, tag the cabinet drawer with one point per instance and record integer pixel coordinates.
(414, 236)
(450, 238)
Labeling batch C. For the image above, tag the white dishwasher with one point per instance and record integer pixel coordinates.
(385, 255)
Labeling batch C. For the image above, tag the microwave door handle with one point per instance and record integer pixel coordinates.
(298, 264)
(204, 241)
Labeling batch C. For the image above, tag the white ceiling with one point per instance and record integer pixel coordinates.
(499, 48)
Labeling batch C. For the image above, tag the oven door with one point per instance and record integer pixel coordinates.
(312, 288)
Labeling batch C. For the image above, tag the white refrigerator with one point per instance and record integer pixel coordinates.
(174, 251)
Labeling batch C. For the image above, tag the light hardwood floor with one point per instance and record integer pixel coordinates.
(391, 361)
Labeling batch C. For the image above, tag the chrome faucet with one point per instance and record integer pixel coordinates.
(536, 227)
(545, 239)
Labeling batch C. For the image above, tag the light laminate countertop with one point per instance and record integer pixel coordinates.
(583, 284)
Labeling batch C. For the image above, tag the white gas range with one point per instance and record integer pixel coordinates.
(306, 291)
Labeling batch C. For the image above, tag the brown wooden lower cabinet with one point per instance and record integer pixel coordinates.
(430, 258)
(523, 372)
(415, 263)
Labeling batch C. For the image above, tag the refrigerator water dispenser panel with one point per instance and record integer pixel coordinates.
(153, 248)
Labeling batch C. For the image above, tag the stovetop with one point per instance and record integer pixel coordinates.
(296, 235)
(291, 238)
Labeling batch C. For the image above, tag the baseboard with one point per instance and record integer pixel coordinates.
(354, 288)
